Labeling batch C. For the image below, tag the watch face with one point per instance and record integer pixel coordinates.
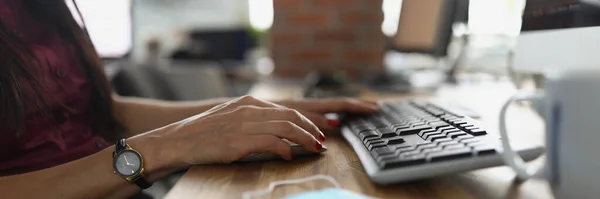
(128, 163)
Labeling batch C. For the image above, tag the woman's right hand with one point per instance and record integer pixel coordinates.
(233, 130)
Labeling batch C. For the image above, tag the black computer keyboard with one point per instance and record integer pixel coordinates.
(444, 135)
(414, 139)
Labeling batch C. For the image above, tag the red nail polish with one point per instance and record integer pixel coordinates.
(319, 147)
(322, 138)
(333, 123)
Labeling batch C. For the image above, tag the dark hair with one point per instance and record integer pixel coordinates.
(16, 60)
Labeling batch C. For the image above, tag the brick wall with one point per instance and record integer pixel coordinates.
(326, 36)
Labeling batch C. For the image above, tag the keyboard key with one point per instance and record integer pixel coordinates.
(484, 150)
(398, 127)
(471, 128)
(445, 139)
(435, 137)
(478, 132)
(438, 124)
(371, 139)
(383, 151)
(403, 161)
(465, 136)
(442, 129)
(367, 134)
(375, 146)
(412, 130)
(386, 130)
(446, 131)
(454, 146)
(395, 141)
(418, 124)
(452, 142)
(406, 149)
(423, 132)
(425, 145)
(459, 122)
(389, 135)
(450, 154)
(426, 135)
(465, 125)
(431, 150)
(469, 140)
(455, 134)
(368, 145)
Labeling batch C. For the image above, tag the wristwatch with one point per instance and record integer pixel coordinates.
(129, 163)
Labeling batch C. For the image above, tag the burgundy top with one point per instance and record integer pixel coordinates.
(67, 135)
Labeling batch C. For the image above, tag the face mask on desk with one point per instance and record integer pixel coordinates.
(329, 193)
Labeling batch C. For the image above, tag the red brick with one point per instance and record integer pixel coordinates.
(363, 55)
(310, 55)
(287, 3)
(354, 17)
(335, 3)
(334, 35)
(286, 38)
(308, 19)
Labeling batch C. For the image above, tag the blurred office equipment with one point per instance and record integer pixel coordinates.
(558, 35)
(177, 81)
(227, 46)
(424, 27)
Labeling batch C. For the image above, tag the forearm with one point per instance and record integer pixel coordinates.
(89, 177)
(139, 115)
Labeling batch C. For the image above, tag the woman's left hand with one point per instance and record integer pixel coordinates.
(315, 109)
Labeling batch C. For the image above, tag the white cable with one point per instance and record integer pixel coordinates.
(251, 194)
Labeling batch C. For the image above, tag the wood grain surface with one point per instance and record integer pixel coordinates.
(340, 162)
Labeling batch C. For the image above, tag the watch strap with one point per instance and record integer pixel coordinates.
(141, 182)
(121, 145)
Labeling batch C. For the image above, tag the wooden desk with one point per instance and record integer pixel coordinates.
(340, 162)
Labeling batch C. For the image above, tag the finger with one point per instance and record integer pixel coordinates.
(283, 129)
(340, 105)
(264, 143)
(321, 121)
(259, 114)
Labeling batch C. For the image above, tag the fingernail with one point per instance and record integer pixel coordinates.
(319, 146)
(322, 138)
(333, 123)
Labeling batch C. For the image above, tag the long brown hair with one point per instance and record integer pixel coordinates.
(16, 61)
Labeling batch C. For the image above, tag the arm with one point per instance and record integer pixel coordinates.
(220, 135)
(139, 115)
(89, 177)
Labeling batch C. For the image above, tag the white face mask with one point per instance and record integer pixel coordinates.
(328, 193)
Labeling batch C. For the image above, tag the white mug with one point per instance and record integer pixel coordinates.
(570, 106)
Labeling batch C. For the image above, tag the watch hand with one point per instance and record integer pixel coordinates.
(126, 159)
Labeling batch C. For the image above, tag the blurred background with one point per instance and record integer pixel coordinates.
(197, 49)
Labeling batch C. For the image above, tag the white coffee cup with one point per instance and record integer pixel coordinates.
(570, 106)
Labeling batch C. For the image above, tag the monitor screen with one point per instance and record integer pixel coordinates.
(109, 24)
(559, 14)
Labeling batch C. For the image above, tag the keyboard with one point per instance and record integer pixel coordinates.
(416, 139)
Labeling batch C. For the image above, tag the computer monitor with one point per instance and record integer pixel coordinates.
(558, 35)
(109, 23)
(426, 26)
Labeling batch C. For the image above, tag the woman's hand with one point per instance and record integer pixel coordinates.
(234, 130)
(315, 109)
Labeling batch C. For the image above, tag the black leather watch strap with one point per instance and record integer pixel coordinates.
(121, 145)
(142, 182)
